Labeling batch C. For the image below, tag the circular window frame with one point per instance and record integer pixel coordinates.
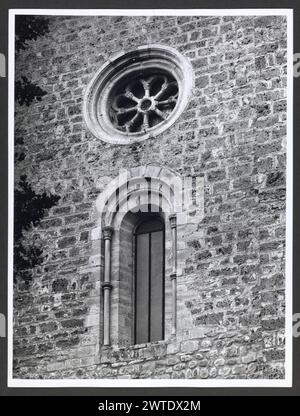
(143, 58)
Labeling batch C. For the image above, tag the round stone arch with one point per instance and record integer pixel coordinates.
(159, 190)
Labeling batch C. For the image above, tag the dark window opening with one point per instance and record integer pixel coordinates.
(149, 281)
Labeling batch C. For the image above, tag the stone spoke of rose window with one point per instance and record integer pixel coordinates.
(144, 102)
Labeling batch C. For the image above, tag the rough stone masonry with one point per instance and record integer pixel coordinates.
(231, 295)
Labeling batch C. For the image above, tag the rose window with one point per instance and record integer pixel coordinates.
(144, 102)
(138, 94)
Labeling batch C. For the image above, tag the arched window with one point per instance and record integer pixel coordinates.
(138, 260)
(149, 281)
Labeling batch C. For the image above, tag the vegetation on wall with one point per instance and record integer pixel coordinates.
(29, 209)
(26, 91)
(29, 28)
(29, 206)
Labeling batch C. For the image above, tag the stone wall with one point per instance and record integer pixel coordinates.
(232, 134)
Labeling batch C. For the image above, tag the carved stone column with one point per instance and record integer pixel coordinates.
(173, 276)
(106, 285)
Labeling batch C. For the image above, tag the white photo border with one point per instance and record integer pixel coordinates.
(142, 383)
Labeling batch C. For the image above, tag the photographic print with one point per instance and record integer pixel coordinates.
(150, 198)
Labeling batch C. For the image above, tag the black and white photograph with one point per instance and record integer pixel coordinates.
(150, 198)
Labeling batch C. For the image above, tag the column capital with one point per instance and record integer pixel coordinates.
(173, 276)
(107, 232)
(106, 285)
(173, 220)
